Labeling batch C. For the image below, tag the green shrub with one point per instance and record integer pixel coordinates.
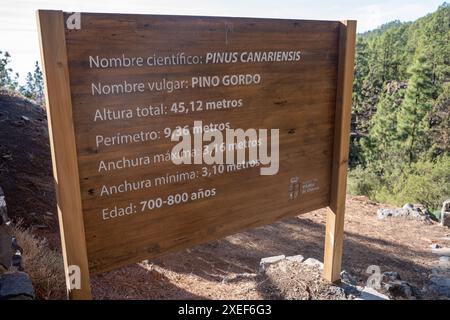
(425, 182)
(363, 182)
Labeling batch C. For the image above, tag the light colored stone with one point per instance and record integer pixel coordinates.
(368, 293)
(442, 251)
(3, 210)
(408, 211)
(435, 246)
(297, 258)
(265, 262)
(408, 206)
(313, 263)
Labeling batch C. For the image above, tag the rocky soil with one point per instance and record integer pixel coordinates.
(230, 268)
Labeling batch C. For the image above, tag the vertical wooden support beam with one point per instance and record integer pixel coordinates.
(62, 138)
(334, 236)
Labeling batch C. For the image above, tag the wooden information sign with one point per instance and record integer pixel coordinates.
(120, 87)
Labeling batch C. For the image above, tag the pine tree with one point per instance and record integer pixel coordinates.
(6, 78)
(433, 38)
(440, 123)
(413, 118)
(34, 85)
(28, 89)
(38, 84)
(380, 148)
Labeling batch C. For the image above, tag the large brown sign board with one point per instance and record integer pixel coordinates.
(119, 85)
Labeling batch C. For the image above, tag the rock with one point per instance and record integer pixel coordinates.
(350, 290)
(3, 211)
(265, 262)
(435, 246)
(15, 246)
(313, 263)
(399, 288)
(442, 251)
(336, 291)
(368, 293)
(390, 276)
(16, 260)
(421, 208)
(445, 213)
(348, 278)
(383, 213)
(297, 258)
(440, 285)
(408, 211)
(16, 285)
(408, 206)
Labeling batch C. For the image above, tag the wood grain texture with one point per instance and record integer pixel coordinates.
(299, 99)
(335, 214)
(303, 100)
(63, 149)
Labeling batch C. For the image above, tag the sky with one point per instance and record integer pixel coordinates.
(18, 31)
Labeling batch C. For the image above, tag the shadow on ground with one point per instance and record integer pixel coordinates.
(242, 252)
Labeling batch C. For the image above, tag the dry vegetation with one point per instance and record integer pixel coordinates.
(297, 281)
(44, 265)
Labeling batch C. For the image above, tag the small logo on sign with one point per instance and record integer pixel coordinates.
(73, 22)
(294, 188)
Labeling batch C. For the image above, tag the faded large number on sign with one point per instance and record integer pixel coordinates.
(135, 103)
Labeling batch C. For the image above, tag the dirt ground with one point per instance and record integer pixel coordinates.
(394, 244)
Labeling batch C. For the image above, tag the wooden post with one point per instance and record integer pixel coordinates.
(62, 138)
(334, 236)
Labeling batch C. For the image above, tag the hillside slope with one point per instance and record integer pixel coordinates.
(25, 163)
